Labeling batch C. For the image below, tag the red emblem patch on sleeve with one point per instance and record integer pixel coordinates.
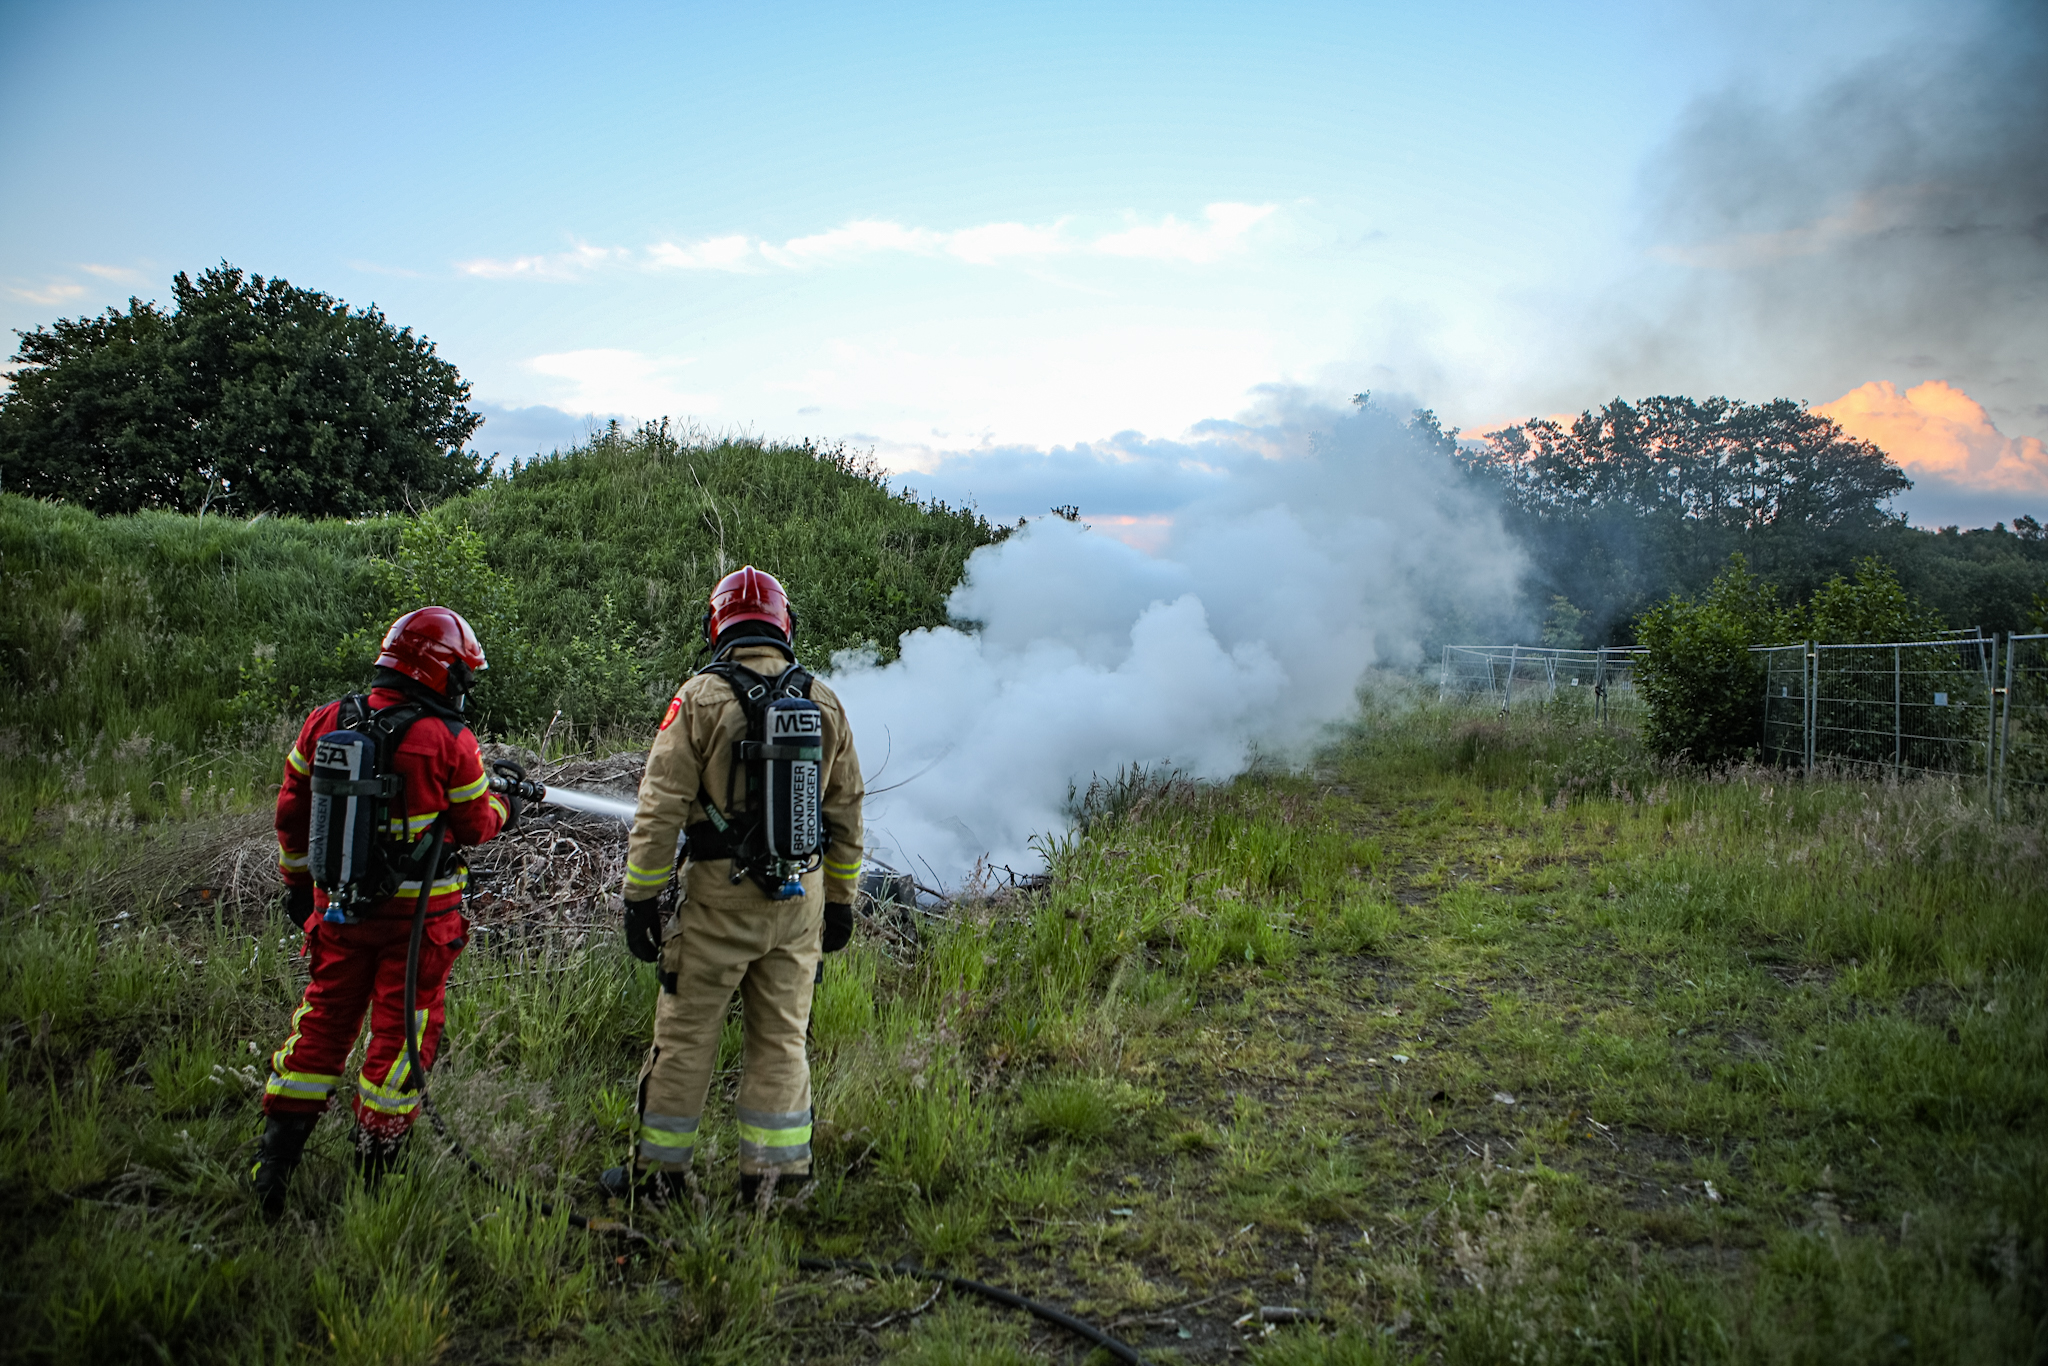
(675, 704)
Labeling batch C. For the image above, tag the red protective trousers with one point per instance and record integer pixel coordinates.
(358, 968)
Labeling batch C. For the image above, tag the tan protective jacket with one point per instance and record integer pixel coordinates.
(692, 756)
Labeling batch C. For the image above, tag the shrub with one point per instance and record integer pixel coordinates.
(1700, 682)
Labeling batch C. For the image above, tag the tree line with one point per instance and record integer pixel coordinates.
(1633, 503)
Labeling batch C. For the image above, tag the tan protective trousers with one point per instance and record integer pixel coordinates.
(769, 951)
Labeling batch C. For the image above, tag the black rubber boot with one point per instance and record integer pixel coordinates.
(277, 1156)
(655, 1188)
(377, 1155)
(777, 1190)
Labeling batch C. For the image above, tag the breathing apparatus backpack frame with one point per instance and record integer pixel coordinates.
(351, 852)
(782, 834)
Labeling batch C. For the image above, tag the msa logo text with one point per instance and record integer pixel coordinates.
(794, 724)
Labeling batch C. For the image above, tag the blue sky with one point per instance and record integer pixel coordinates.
(978, 239)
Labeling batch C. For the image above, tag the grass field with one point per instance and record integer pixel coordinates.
(1479, 1041)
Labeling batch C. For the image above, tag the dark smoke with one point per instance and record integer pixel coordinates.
(1892, 223)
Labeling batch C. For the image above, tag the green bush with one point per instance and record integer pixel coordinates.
(1701, 683)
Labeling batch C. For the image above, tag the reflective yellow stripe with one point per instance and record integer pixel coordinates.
(469, 792)
(298, 761)
(665, 1138)
(277, 1058)
(387, 1098)
(442, 887)
(793, 1137)
(414, 825)
(497, 805)
(636, 876)
(384, 1100)
(305, 1085)
(289, 861)
(843, 870)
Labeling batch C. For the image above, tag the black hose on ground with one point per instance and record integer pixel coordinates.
(1080, 1328)
(418, 1073)
(1117, 1348)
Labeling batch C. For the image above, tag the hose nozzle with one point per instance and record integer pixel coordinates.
(508, 777)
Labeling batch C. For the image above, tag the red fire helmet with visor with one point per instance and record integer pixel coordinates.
(748, 594)
(434, 646)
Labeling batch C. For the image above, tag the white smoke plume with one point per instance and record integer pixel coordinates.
(1336, 542)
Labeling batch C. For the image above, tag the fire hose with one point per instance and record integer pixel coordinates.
(512, 780)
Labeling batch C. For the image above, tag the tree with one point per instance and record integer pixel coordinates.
(1634, 501)
(248, 392)
(1872, 608)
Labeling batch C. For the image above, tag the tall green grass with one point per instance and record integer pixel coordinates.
(158, 653)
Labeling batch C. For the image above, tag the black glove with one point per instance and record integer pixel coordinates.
(298, 902)
(838, 925)
(643, 929)
(510, 776)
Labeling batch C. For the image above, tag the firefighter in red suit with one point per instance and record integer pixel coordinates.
(429, 660)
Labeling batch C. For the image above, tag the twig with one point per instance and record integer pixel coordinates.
(888, 1319)
(1183, 1308)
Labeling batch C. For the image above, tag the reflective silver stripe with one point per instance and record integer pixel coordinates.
(641, 877)
(668, 1138)
(775, 1137)
(311, 1085)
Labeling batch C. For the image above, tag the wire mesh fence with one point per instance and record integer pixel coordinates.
(1917, 706)
(1966, 704)
(1788, 703)
(1502, 675)
(2023, 726)
(1924, 706)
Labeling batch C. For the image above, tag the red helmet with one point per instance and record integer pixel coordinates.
(434, 646)
(748, 595)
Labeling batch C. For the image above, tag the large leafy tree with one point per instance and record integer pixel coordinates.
(1633, 501)
(247, 393)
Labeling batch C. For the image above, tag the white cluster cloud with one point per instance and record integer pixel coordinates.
(561, 265)
(1936, 431)
(58, 289)
(1323, 547)
(1223, 230)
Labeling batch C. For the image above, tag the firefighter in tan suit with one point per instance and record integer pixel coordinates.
(737, 925)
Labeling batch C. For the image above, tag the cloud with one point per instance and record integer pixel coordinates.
(532, 430)
(118, 274)
(865, 237)
(733, 252)
(48, 295)
(1225, 229)
(1939, 432)
(562, 265)
(1172, 240)
(605, 380)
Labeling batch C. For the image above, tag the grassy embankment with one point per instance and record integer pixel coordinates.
(155, 653)
(1485, 1043)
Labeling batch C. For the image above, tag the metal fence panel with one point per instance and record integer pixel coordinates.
(2023, 728)
(1912, 706)
(1787, 689)
(1503, 675)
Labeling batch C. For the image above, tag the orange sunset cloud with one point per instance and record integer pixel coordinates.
(1936, 431)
